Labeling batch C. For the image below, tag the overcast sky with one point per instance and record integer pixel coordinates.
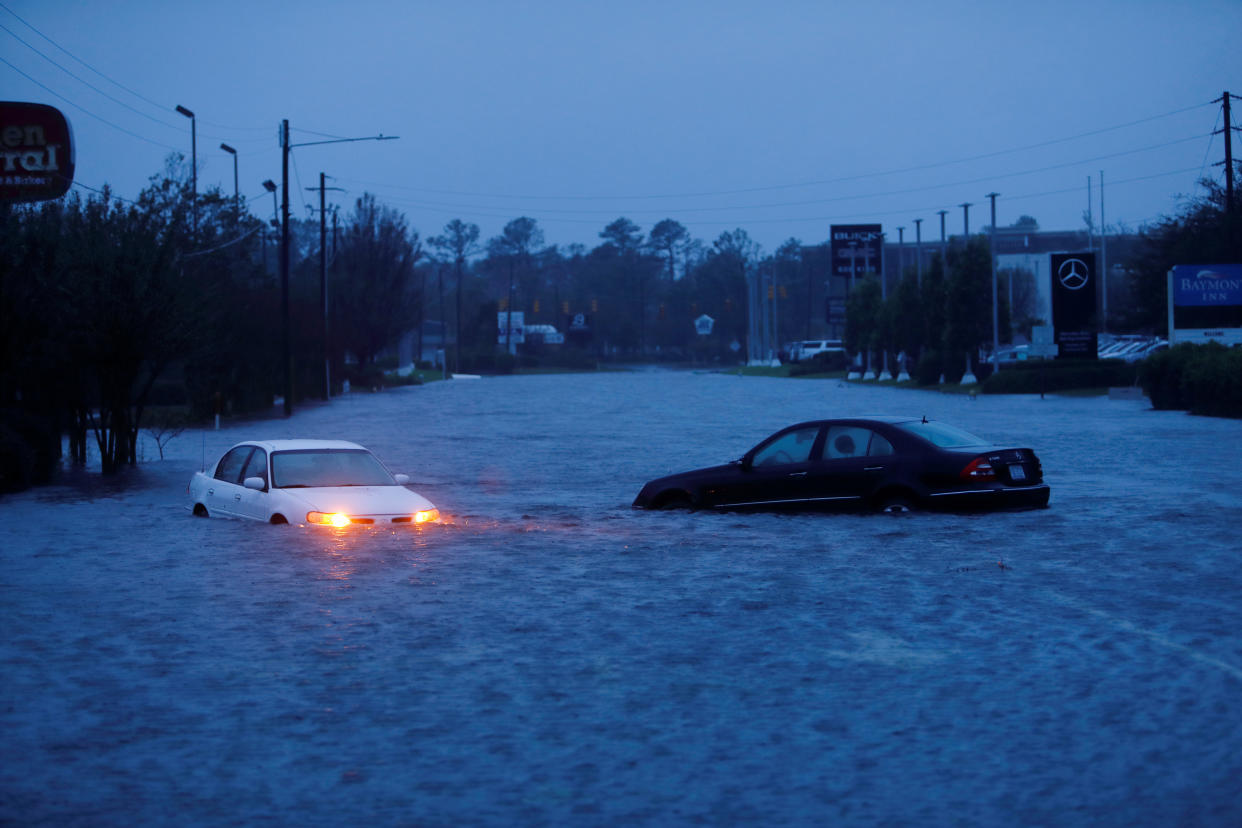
(780, 118)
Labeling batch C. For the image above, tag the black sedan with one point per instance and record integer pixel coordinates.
(888, 464)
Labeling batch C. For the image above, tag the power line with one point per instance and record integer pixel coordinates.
(87, 111)
(159, 106)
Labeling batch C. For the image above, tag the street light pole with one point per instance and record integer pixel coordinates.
(193, 161)
(236, 195)
(995, 301)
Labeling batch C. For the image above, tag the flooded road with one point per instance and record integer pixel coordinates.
(548, 656)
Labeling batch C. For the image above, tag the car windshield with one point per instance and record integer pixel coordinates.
(939, 434)
(328, 467)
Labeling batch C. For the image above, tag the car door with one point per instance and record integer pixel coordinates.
(253, 503)
(224, 493)
(853, 463)
(775, 473)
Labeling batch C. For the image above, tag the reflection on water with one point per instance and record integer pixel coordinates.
(546, 655)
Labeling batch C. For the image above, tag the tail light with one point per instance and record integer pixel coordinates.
(978, 470)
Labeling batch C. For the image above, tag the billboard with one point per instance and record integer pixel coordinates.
(1205, 303)
(36, 152)
(1073, 305)
(857, 249)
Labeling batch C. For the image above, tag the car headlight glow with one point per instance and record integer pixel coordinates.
(427, 516)
(328, 518)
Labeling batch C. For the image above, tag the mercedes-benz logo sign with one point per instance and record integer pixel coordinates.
(1073, 273)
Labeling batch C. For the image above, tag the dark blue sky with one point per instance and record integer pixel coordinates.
(781, 118)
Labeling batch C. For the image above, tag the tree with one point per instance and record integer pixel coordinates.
(968, 298)
(1201, 234)
(665, 238)
(863, 311)
(376, 300)
(459, 243)
(515, 244)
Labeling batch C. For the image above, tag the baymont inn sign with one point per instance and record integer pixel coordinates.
(1205, 303)
(36, 152)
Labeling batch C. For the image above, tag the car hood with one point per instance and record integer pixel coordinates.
(361, 500)
(685, 480)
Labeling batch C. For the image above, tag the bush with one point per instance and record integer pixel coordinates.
(1201, 379)
(829, 362)
(29, 450)
(1035, 376)
(929, 367)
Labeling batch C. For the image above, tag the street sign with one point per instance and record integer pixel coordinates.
(503, 320)
(703, 325)
(1042, 344)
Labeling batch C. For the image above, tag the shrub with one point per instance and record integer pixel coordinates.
(1035, 376)
(1201, 379)
(826, 363)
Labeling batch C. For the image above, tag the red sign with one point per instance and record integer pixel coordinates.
(36, 152)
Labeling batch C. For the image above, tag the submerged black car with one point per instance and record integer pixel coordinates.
(887, 464)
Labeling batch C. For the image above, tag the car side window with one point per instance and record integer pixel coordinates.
(846, 441)
(880, 446)
(791, 447)
(257, 466)
(230, 467)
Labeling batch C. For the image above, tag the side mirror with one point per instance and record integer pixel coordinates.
(746, 462)
(255, 483)
(401, 479)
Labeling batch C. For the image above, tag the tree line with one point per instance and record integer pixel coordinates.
(112, 308)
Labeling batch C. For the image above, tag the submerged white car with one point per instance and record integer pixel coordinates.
(325, 482)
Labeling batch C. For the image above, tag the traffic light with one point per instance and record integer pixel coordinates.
(594, 306)
(536, 306)
(565, 307)
(503, 304)
(663, 313)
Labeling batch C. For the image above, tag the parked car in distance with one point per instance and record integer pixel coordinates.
(890, 464)
(808, 349)
(323, 482)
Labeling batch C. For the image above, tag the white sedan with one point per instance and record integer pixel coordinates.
(325, 482)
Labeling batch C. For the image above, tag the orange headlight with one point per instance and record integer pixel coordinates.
(427, 516)
(328, 519)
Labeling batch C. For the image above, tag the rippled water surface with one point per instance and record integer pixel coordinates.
(549, 656)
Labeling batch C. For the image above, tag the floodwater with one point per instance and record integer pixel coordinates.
(550, 657)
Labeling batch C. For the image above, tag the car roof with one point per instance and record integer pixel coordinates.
(301, 445)
(886, 419)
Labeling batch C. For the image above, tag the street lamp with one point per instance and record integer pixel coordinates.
(270, 186)
(193, 160)
(236, 197)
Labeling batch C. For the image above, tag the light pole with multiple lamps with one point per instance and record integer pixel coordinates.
(193, 161)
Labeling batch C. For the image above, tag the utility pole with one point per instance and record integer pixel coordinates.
(966, 220)
(942, 214)
(995, 302)
(1103, 261)
(1090, 229)
(286, 342)
(1228, 129)
(285, 147)
(918, 251)
(326, 392)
